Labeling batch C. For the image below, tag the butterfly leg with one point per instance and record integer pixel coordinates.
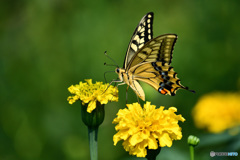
(137, 98)
(127, 93)
(119, 84)
(116, 80)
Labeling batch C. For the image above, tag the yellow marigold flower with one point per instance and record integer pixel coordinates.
(217, 111)
(146, 127)
(90, 93)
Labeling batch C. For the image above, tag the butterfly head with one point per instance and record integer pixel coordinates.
(117, 70)
(120, 72)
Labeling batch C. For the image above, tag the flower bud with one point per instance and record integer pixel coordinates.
(193, 140)
(95, 118)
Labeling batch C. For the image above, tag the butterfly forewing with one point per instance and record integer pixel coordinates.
(158, 49)
(142, 34)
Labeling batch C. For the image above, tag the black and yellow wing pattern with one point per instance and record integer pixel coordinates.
(149, 59)
(141, 35)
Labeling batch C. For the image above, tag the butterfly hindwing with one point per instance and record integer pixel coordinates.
(142, 34)
(158, 49)
(138, 89)
(159, 75)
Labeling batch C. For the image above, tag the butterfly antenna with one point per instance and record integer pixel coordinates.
(110, 64)
(111, 60)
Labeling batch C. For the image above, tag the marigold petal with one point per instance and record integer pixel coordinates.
(141, 150)
(136, 138)
(88, 92)
(146, 127)
(91, 106)
(165, 140)
(152, 143)
(116, 138)
(89, 81)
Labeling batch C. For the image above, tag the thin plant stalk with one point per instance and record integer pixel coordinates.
(93, 145)
(191, 152)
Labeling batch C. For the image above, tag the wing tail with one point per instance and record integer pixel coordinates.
(160, 76)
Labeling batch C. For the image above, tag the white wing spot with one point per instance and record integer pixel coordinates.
(139, 27)
(140, 46)
(136, 37)
(148, 21)
(134, 47)
(149, 25)
(149, 16)
(149, 37)
(142, 34)
(141, 40)
(142, 30)
(149, 30)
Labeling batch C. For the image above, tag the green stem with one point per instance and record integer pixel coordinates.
(152, 158)
(191, 152)
(153, 153)
(92, 137)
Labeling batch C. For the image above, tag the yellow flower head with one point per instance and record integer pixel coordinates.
(90, 93)
(217, 111)
(146, 127)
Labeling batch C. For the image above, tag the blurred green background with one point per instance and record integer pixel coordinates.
(46, 46)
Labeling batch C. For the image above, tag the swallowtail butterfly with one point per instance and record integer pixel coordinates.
(148, 60)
